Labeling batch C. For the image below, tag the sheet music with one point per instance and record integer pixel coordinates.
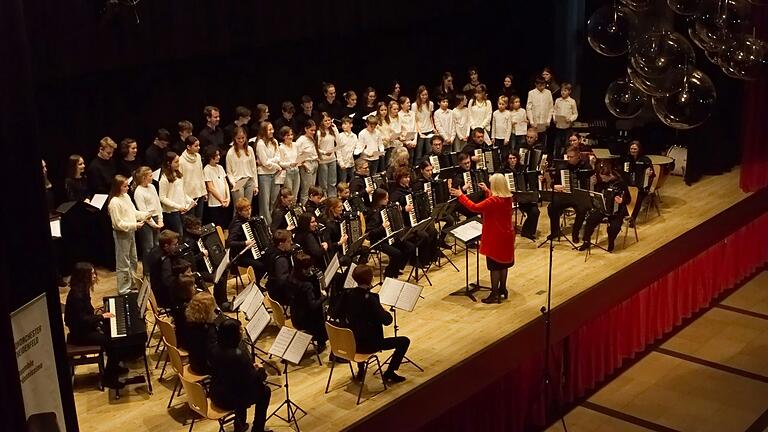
(98, 200)
(349, 282)
(222, 266)
(156, 175)
(409, 295)
(258, 323)
(239, 184)
(390, 291)
(56, 228)
(244, 294)
(468, 231)
(282, 340)
(297, 347)
(143, 296)
(331, 270)
(253, 304)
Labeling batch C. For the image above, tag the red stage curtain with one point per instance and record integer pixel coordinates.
(599, 347)
(754, 146)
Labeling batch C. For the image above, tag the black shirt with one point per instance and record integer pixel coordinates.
(360, 310)
(210, 136)
(302, 117)
(161, 277)
(311, 245)
(127, 168)
(236, 236)
(101, 173)
(155, 156)
(278, 219)
(77, 188)
(292, 123)
(80, 317)
(334, 108)
(229, 132)
(279, 268)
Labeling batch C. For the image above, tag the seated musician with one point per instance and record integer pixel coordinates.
(332, 218)
(631, 165)
(236, 240)
(342, 191)
(465, 166)
(608, 178)
(401, 250)
(236, 382)
(280, 265)
(88, 326)
(531, 210)
(562, 201)
(160, 262)
(315, 202)
(424, 176)
(307, 301)
(192, 232)
(436, 148)
(477, 142)
(400, 159)
(200, 340)
(283, 204)
(357, 184)
(531, 140)
(360, 310)
(426, 239)
(183, 292)
(307, 236)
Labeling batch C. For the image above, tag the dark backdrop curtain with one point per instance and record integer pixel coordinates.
(754, 143)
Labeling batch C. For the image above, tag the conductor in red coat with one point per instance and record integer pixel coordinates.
(497, 241)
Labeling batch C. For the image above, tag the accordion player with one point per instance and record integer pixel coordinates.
(610, 203)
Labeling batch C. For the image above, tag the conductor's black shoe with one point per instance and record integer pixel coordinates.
(393, 378)
(504, 293)
(585, 246)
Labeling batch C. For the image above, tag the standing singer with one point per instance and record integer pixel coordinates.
(497, 241)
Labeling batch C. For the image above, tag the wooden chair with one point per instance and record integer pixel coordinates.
(221, 234)
(343, 346)
(653, 195)
(156, 311)
(182, 370)
(79, 355)
(633, 192)
(168, 332)
(279, 316)
(247, 276)
(199, 402)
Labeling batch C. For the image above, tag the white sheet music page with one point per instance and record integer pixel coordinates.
(98, 200)
(331, 270)
(244, 294)
(56, 228)
(258, 323)
(156, 175)
(222, 266)
(349, 282)
(468, 231)
(251, 305)
(390, 291)
(297, 347)
(282, 340)
(409, 295)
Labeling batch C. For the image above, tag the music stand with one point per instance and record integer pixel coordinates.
(257, 319)
(420, 226)
(380, 242)
(439, 212)
(550, 239)
(469, 289)
(290, 345)
(597, 203)
(355, 245)
(405, 302)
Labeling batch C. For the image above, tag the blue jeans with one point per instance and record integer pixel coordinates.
(197, 210)
(173, 222)
(344, 175)
(307, 180)
(292, 181)
(125, 260)
(246, 191)
(326, 178)
(148, 238)
(423, 147)
(267, 194)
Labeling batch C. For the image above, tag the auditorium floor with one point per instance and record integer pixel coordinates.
(445, 330)
(712, 375)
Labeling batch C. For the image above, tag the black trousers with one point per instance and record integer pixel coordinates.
(614, 224)
(400, 344)
(258, 396)
(555, 210)
(532, 212)
(398, 253)
(641, 194)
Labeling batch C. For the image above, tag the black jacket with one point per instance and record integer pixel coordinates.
(360, 310)
(310, 244)
(233, 370)
(80, 317)
(306, 302)
(278, 219)
(374, 225)
(161, 277)
(200, 341)
(236, 236)
(279, 268)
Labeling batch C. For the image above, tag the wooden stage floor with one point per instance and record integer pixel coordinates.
(445, 330)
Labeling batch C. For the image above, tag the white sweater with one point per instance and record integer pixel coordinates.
(407, 123)
(423, 117)
(327, 143)
(172, 195)
(345, 149)
(148, 201)
(241, 166)
(305, 149)
(369, 143)
(268, 156)
(502, 125)
(479, 114)
(518, 121)
(539, 107)
(564, 112)
(444, 124)
(288, 155)
(461, 122)
(124, 215)
(191, 166)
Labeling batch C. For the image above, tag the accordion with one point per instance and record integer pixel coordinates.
(440, 193)
(256, 229)
(355, 203)
(606, 202)
(492, 160)
(472, 179)
(419, 201)
(210, 241)
(394, 216)
(636, 176)
(516, 182)
(292, 216)
(444, 161)
(353, 228)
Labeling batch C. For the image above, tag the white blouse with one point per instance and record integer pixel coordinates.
(461, 122)
(539, 107)
(424, 117)
(288, 155)
(479, 114)
(518, 121)
(345, 149)
(268, 156)
(502, 125)
(217, 176)
(327, 144)
(305, 149)
(241, 166)
(369, 143)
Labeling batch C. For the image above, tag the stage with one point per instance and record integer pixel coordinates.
(466, 347)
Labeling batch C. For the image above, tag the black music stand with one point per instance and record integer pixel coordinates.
(292, 409)
(355, 246)
(376, 245)
(598, 204)
(421, 226)
(232, 265)
(469, 288)
(440, 212)
(550, 239)
(405, 358)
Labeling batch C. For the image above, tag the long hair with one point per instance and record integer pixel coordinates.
(385, 118)
(262, 135)
(330, 204)
(284, 192)
(81, 281)
(72, 162)
(419, 91)
(117, 184)
(167, 169)
(235, 132)
(324, 130)
(499, 186)
(200, 308)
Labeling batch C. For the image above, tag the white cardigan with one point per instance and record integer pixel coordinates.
(148, 201)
